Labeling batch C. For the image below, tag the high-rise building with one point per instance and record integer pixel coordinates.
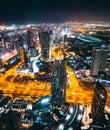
(24, 57)
(109, 70)
(98, 103)
(58, 89)
(23, 42)
(32, 37)
(33, 52)
(44, 37)
(1, 94)
(1, 64)
(99, 58)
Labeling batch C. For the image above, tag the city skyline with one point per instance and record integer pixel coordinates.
(39, 11)
(55, 76)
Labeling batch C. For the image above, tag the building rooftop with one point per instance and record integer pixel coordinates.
(89, 39)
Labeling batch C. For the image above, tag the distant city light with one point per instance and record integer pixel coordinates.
(73, 36)
(29, 25)
(5, 55)
(63, 33)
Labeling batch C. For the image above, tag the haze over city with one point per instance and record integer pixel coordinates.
(53, 11)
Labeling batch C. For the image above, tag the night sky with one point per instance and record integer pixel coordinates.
(53, 11)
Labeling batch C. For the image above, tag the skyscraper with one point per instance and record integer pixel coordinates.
(32, 36)
(1, 64)
(44, 37)
(58, 89)
(98, 103)
(1, 94)
(109, 70)
(99, 58)
(24, 57)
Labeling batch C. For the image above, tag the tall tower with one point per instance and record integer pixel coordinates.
(32, 36)
(44, 37)
(58, 89)
(1, 94)
(109, 70)
(22, 55)
(1, 64)
(99, 58)
(98, 103)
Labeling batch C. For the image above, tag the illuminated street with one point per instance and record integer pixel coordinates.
(37, 88)
(78, 93)
(32, 88)
(75, 92)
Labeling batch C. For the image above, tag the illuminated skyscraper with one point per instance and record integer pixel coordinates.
(99, 58)
(98, 103)
(1, 94)
(24, 57)
(32, 36)
(109, 70)
(1, 64)
(44, 37)
(58, 89)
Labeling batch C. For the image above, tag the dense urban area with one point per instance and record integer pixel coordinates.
(55, 76)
